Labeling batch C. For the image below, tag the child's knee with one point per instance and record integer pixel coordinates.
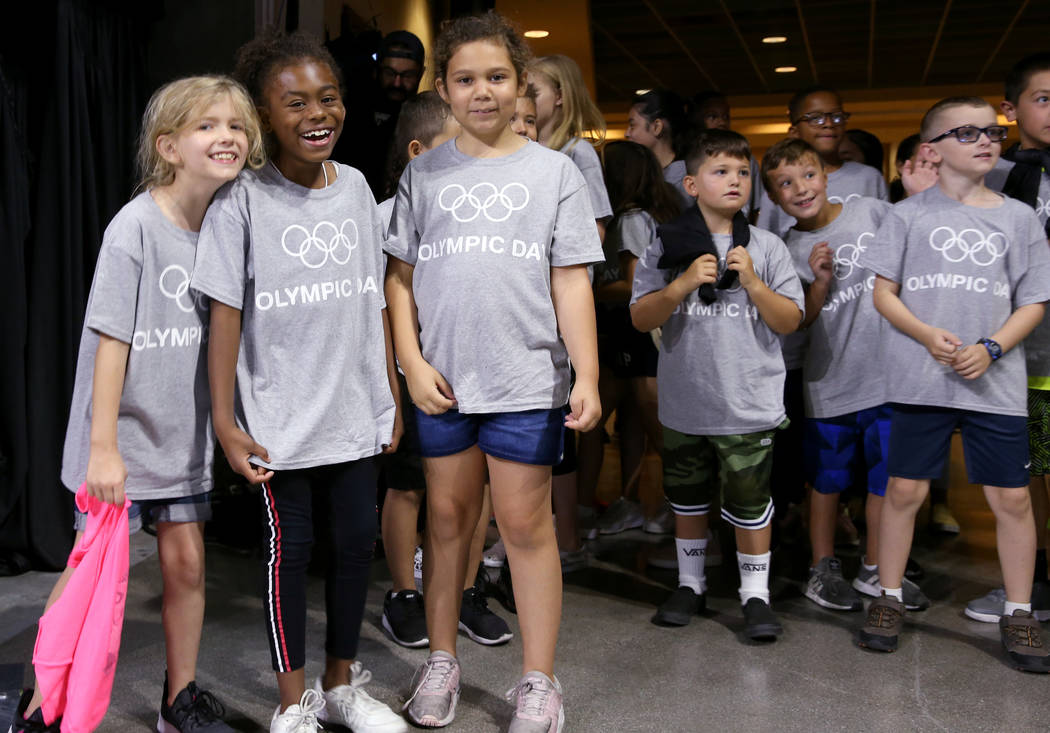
(1014, 503)
(907, 493)
(183, 567)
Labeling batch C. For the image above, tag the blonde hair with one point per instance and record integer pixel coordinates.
(174, 107)
(579, 114)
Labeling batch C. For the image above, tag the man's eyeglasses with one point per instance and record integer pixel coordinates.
(972, 133)
(409, 77)
(820, 118)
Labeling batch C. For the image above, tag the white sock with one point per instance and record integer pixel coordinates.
(897, 593)
(864, 562)
(754, 576)
(1009, 608)
(691, 554)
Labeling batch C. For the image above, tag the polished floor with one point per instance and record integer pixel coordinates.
(620, 672)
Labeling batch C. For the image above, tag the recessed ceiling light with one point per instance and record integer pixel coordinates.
(774, 39)
(642, 91)
(785, 69)
(537, 34)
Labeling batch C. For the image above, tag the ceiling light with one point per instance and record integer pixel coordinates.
(537, 34)
(640, 92)
(785, 69)
(774, 39)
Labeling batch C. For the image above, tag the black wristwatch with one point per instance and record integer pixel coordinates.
(994, 349)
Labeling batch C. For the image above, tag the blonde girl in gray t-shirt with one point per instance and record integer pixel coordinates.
(489, 297)
(138, 422)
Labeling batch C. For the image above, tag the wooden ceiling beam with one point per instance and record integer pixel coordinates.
(805, 40)
(747, 49)
(615, 87)
(936, 42)
(681, 44)
(1002, 40)
(623, 49)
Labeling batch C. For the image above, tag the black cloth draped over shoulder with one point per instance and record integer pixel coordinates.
(687, 237)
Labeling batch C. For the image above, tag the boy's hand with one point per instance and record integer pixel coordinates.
(585, 407)
(822, 262)
(943, 345)
(238, 447)
(399, 431)
(972, 362)
(106, 474)
(918, 175)
(430, 392)
(738, 259)
(702, 271)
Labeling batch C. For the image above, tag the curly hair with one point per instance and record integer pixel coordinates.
(260, 58)
(489, 26)
(174, 107)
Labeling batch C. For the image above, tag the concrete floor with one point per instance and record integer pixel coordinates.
(619, 671)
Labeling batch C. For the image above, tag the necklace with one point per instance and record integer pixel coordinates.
(324, 170)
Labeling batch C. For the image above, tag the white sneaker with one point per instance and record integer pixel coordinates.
(301, 718)
(350, 706)
(496, 555)
(417, 568)
(662, 522)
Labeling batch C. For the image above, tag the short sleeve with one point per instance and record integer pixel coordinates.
(781, 277)
(648, 277)
(1034, 284)
(575, 240)
(882, 191)
(220, 266)
(115, 291)
(587, 161)
(378, 229)
(402, 238)
(885, 256)
(636, 233)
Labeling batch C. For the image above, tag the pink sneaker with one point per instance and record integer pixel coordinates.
(435, 692)
(539, 708)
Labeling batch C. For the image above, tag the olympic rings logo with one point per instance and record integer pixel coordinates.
(1042, 208)
(483, 198)
(326, 241)
(981, 249)
(176, 276)
(847, 256)
(840, 200)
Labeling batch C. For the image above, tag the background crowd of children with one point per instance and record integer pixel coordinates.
(781, 333)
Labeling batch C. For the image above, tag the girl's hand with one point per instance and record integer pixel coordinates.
(739, 259)
(429, 390)
(106, 475)
(238, 447)
(822, 262)
(943, 345)
(399, 431)
(972, 361)
(585, 407)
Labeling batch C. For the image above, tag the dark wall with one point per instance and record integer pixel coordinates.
(197, 37)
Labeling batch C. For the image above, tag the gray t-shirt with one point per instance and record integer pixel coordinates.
(586, 159)
(633, 231)
(673, 174)
(850, 181)
(843, 369)
(140, 295)
(386, 212)
(482, 235)
(305, 268)
(720, 371)
(964, 269)
(1037, 345)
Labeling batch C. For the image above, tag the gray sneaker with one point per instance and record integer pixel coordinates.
(827, 587)
(867, 582)
(989, 607)
(538, 705)
(435, 692)
(623, 515)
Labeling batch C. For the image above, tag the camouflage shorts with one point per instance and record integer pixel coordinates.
(700, 468)
(1039, 431)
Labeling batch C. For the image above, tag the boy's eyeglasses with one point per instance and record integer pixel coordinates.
(972, 133)
(409, 77)
(819, 118)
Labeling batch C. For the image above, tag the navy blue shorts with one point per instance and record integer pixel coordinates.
(836, 447)
(995, 446)
(535, 437)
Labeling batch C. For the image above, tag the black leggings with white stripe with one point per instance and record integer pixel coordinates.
(344, 494)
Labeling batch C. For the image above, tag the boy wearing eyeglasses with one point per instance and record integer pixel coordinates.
(963, 274)
(1024, 173)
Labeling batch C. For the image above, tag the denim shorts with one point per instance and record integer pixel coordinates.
(531, 436)
(995, 446)
(194, 508)
(836, 447)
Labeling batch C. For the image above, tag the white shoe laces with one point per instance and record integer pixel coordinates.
(434, 678)
(310, 704)
(531, 698)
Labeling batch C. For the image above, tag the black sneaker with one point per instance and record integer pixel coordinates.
(404, 619)
(680, 607)
(194, 709)
(913, 571)
(503, 589)
(883, 625)
(1023, 641)
(35, 722)
(480, 623)
(760, 623)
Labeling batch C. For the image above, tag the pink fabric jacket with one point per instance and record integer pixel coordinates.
(79, 637)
